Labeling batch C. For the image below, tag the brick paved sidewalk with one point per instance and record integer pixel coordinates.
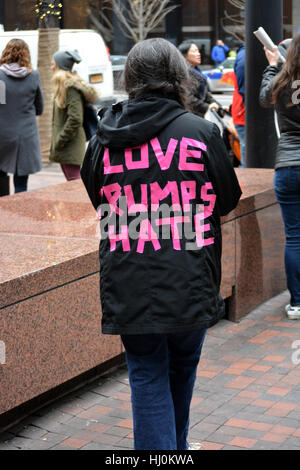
(247, 395)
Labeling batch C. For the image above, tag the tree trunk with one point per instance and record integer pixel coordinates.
(47, 46)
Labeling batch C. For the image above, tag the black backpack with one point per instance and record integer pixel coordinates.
(90, 121)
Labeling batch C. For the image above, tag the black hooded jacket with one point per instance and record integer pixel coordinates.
(199, 98)
(160, 270)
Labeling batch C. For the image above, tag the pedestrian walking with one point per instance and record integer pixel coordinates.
(238, 110)
(219, 51)
(20, 152)
(159, 292)
(200, 100)
(278, 89)
(72, 94)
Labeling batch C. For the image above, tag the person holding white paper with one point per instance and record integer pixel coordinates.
(279, 88)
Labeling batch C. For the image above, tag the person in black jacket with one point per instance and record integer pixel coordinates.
(200, 100)
(160, 179)
(280, 87)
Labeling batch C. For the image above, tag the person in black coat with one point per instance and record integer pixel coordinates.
(200, 100)
(280, 88)
(160, 179)
(20, 151)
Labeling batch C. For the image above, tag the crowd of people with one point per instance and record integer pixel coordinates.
(19, 136)
(21, 156)
(159, 297)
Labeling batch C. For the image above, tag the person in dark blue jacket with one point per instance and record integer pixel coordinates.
(219, 51)
(199, 98)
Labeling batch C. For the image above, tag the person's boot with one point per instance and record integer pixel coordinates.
(4, 185)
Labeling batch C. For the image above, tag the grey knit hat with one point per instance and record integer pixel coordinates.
(66, 59)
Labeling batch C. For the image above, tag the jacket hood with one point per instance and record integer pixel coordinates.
(88, 91)
(14, 70)
(131, 123)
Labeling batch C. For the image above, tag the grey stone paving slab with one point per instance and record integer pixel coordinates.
(96, 446)
(125, 443)
(292, 443)
(58, 447)
(226, 447)
(31, 432)
(220, 437)
(118, 431)
(117, 413)
(198, 436)
(265, 445)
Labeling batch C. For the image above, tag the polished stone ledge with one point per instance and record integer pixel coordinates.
(50, 236)
(50, 314)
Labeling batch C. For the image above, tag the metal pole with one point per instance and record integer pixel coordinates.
(173, 23)
(2, 19)
(261, 139)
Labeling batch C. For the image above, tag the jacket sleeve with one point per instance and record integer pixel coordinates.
(198, 104)
(222, 174)
(91, 170)
(265, 94)
(209, 98)
(213, 53)
(39, 99)
(74, 107)
(239, 70)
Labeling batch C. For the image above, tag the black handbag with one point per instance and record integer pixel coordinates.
(91, 169)
(90, 121)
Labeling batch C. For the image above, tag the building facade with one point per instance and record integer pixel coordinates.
(202, 20)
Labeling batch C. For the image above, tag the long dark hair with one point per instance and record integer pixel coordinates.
(155, 66)
(290, 70)
(16, 51)
(185, 46)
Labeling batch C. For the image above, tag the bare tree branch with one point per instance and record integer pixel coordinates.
(160, 14)
(233, 24)
(240, 4)
(105, 27)
(141, 16)
(126, 20)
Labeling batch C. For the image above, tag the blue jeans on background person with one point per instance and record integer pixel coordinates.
(287, 190)
(241, 133)
(20, 183)
(162, 372)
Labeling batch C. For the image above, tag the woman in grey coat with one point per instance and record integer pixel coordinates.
(21, 100)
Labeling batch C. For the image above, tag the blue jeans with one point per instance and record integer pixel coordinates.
(162, 373)
(241, 133)
(287, 189)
